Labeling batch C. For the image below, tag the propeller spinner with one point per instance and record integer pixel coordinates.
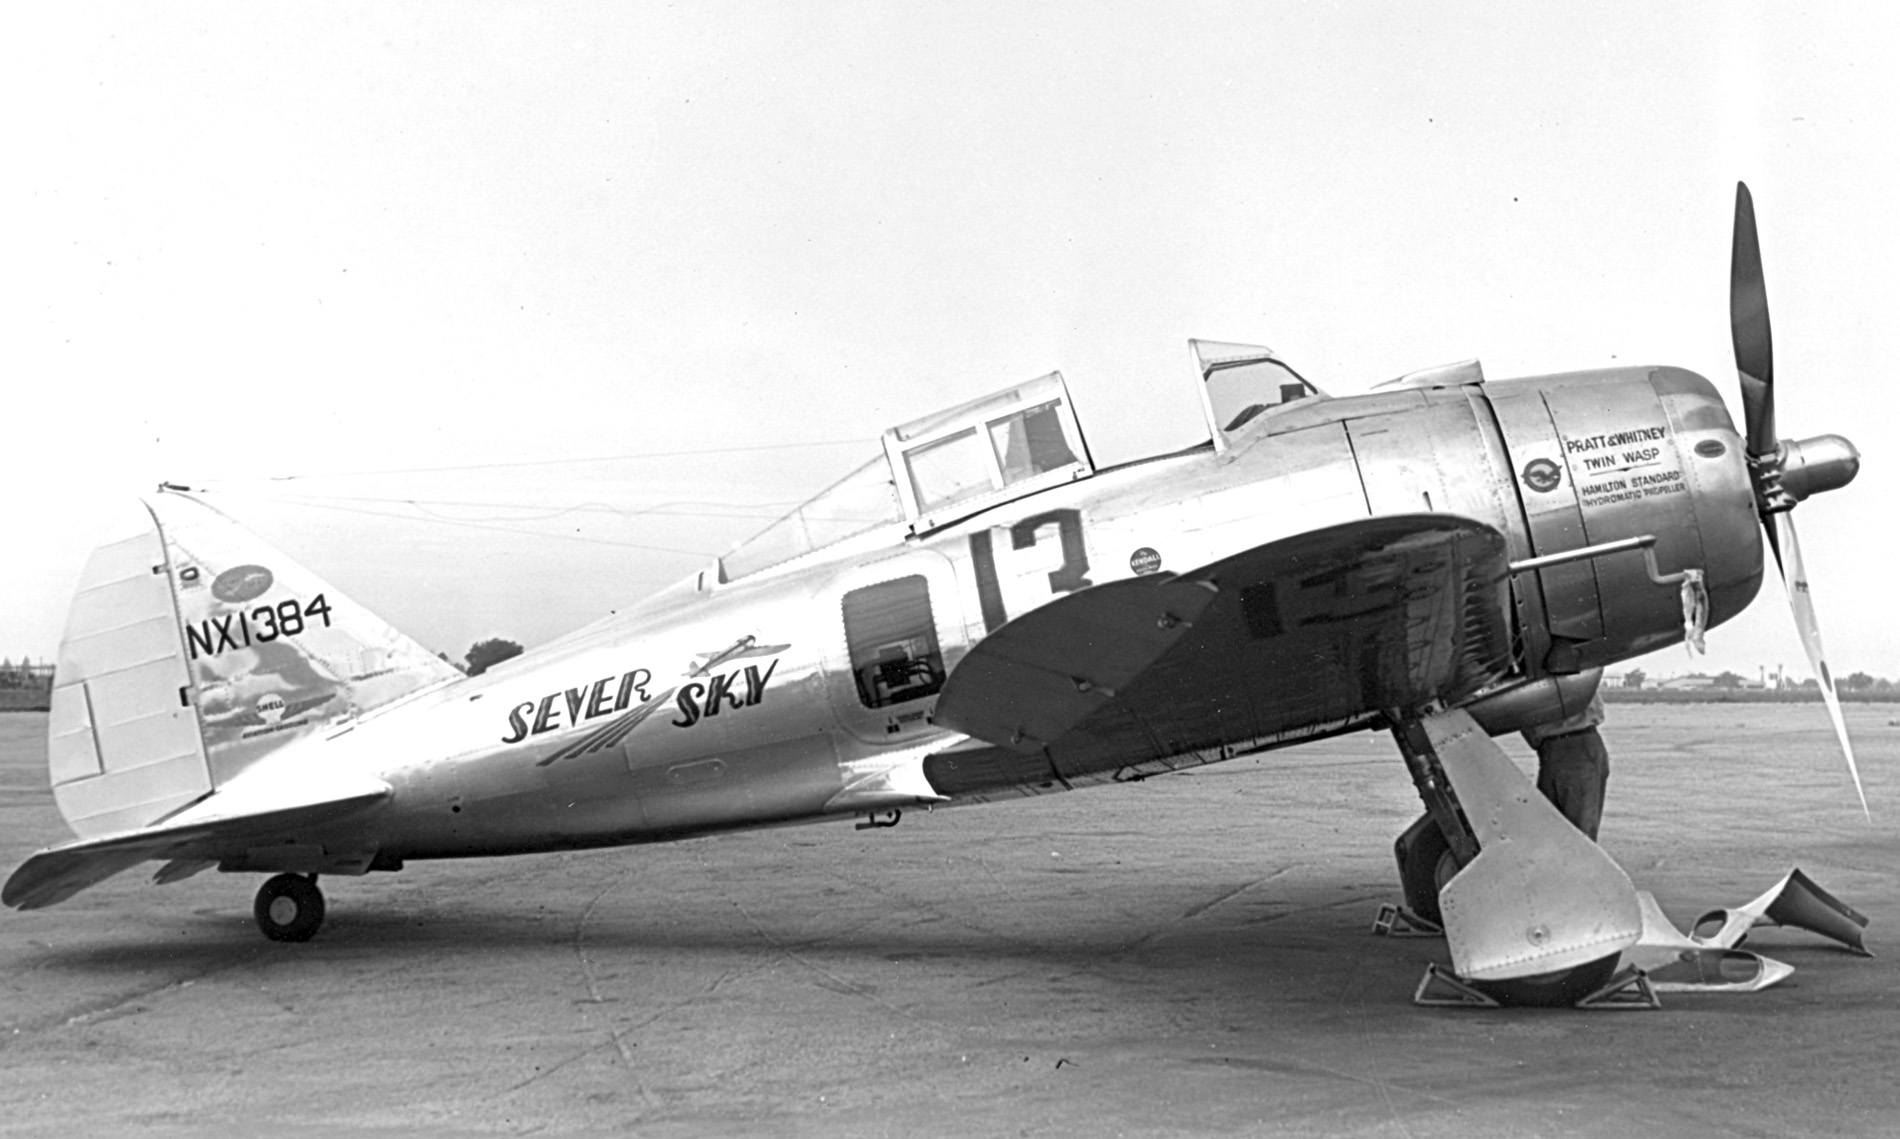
(1785, 471)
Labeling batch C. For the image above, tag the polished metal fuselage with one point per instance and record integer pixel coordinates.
(722, 705)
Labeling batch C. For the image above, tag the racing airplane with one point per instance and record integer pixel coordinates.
(981, 613)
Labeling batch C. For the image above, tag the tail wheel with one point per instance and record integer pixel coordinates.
(289, 907)
(1426, 863)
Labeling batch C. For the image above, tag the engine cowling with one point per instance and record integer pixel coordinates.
(1624, 453)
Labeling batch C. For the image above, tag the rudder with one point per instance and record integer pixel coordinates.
(123, 747)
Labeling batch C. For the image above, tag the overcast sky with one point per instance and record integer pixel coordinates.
(379, 274)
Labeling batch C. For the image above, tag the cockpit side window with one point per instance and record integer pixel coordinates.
(1239, 382)
(1030, 442)
(1240, 393)
(949, 470)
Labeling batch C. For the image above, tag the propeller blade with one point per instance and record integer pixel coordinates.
(1794, 575)
(1748, 328)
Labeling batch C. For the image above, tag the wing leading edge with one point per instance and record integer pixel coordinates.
(1282, 640)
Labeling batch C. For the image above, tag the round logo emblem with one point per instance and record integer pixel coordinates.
(1542, 475)
(270, 708)
(241, 583)
(1144, 561)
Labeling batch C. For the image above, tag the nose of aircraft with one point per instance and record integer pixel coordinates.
(1812, 466)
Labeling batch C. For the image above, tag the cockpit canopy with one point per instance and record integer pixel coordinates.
(954, 463)
(935, 470)
(951, 464)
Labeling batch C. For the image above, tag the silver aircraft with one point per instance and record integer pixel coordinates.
(979, 613)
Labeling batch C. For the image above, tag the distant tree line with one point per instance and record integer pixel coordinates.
(25, 674)
(484, 655)
(481, 656)
(1860, 682)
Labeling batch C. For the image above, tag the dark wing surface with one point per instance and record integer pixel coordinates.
(1294, 637)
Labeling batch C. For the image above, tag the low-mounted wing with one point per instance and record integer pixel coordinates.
(1317, 629)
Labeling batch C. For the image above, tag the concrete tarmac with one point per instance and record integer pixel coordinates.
(1187, 956)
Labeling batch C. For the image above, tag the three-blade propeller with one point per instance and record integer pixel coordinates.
(1784, 472)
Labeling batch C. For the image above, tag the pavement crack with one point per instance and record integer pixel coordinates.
(837, 984)
(1000, 884)
(1199, 908)
(937, 910)
(550, 1070)
(118, 1004)
(587, 968)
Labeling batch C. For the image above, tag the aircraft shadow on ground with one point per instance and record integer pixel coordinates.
(1151, 937)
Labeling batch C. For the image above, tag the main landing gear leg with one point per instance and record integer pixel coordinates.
(1432, 850)
(289, 907)
(1534, 912)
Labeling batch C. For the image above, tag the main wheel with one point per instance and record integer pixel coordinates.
(289, 907)
(1561, 989)
(1426, 863)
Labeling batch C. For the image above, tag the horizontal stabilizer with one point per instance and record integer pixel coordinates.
(272, 805)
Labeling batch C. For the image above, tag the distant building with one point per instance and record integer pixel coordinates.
(1682, 682)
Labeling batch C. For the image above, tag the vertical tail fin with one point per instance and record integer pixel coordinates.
(192, 650)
